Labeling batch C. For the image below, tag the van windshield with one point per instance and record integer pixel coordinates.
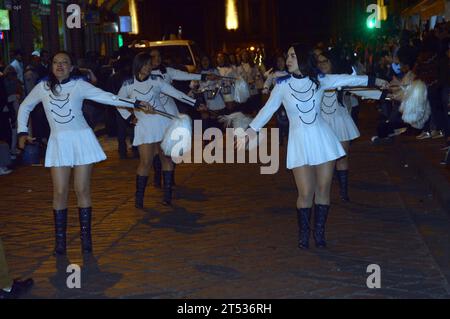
(173, 55)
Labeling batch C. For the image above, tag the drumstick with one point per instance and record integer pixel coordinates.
(355, 88)
(154, 110)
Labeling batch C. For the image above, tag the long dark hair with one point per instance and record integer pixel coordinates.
(226, 58)
(306, 61)
(139, 61)
(52, 82)
(275, 61)
(338, 64)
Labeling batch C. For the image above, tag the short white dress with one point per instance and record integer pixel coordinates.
(311, 139)
(338, 118)
(150, 128)
(72, 142)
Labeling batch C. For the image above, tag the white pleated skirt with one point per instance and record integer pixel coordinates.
(342, 124)
(313, 145)
(73, 148)
(150, 128)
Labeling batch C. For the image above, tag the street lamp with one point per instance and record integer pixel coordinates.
(232, 21)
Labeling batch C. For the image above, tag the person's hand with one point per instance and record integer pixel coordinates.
(382, 84)
(212, 77)
(243, 138)
(134, 120)
(146, 107)
(23, 140)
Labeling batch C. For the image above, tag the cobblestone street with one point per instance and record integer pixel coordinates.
(232, 233)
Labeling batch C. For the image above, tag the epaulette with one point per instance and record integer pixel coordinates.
(44, 79)
(283, 79)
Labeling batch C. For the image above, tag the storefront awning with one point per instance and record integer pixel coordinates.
(427, 8)
(114, 5)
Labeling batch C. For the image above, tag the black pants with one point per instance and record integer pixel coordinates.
(439, 112)
(122, 131)
(5, 128)
(393, 122)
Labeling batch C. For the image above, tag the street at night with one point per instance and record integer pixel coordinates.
(204, 151)
(231, 234)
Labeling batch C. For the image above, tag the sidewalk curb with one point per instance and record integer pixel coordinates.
(430, 175)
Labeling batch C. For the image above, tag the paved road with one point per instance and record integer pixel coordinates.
(232, 234)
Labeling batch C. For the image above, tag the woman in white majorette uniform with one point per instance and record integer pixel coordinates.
(335, 113)
(168, 74)
(313, 147)
(150, 128)
(72, 143)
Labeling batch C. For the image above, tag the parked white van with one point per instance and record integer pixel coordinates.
(173, 52)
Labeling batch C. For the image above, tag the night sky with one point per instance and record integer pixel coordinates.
(304, 21)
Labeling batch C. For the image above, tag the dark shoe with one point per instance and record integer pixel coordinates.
(85, 216)
(304, 228)
(60, 220)
(19, 288)
(157, 167)
(141, 184)
(320, 220)
(167, 177)
(342, 177)
(123, 156)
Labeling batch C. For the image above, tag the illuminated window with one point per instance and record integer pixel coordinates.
(232, 22)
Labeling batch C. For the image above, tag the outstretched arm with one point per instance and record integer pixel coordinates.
(168, 89)
(265, 114)
(333, 81)
(90, 92)
(178, 75)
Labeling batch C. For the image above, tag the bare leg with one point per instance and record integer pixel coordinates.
(61, 179)
(306, 184)
(342, 163)
(146, 154)
(82, 185)
(324, 176)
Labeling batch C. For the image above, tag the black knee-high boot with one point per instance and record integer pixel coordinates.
(342, 177)
(320, 220)
(85, 216)
(304, 228)
(167, 177)
(173, 175)
(141, 184)
(60, 219)
(157, 167)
